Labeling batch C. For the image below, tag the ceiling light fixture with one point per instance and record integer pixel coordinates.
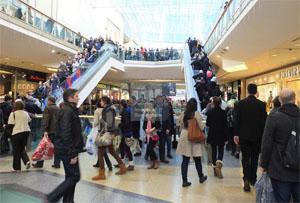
(6, 58)
(218, 56)
(294, 58)
(53, 51)
(257, 62)
(297, 45)
(32, 64)
(277, 76)
(274, 55)
(227, 48)
(52, 69)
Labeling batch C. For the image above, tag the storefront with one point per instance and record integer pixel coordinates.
(269, 85)
(20, 81)
(103, 90)
(231, 88)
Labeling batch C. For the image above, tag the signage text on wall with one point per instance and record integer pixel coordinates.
(290, 73)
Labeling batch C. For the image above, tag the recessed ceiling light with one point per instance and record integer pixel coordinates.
(6, 58)
(32, 64)
(274, 55)
(277, 76)
(53, 51)
(294, 58)
(52, 69)
(297, 45)
(227, 48)
(259, 80)
(265, 79)
(255, 81)
(218, 56)
(257, 62)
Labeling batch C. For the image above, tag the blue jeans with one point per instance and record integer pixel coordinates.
(185, 165)
(67, 188)
(284, 190)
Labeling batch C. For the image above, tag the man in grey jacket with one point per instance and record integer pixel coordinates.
(48, 125)
(277, 132)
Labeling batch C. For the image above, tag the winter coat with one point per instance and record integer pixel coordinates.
(68, 139)
(217, 123)
(276, 134)
(6, 109)
(186, 147)
(49, 119)
(250, 119)
(109, 116)
(125, 124)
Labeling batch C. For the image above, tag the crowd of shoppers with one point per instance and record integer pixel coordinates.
(150, 54)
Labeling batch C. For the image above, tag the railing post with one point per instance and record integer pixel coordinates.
(27, 15)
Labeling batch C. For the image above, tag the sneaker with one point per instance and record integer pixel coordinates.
(138, 154)
(164, 161)
(28, 165)
(252, 183)
(130, 168)
(15, 171)
(170, 156)
(36, 166)
(53, 166)
(203, 179)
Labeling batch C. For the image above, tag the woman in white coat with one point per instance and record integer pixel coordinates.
(187, 148)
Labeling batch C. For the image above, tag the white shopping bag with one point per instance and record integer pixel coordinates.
(91, 149)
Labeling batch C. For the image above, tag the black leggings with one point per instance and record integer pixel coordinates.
(214, 149)
(150, 150)
(125, 149)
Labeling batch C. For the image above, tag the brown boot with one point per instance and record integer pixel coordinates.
(156, 164)
(100, 176)
(122, 170)
(219, 165)
(152, 165)
(215, 173)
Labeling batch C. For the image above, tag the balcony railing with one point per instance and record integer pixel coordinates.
(232, 11)
(37, 19)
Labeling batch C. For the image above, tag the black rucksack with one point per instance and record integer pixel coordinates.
(290, 156)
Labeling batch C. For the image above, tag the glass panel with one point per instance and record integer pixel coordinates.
(59, 31)
(4, 5)
(37, 19)
(69, 36)
(152, 55)
(30, 16)
(18, 10)
(47, 24)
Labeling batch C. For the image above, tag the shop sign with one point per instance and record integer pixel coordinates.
(25, 86)
(115, 88)
(290, 73)
(36, 77)
(101, 86)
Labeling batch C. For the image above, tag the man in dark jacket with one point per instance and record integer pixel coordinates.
(68, 143)
(277, 132)
(48, 125)
(6, 108)
(39, 92)
(136, 115)
(250, 123)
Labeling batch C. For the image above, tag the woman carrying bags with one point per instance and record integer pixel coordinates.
(20, 133)
(217, 135)
(108, 120)
(151, 124)
(97, 118)
(187, 148)
(126, 129)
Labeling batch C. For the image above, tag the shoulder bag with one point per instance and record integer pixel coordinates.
(194, 132)
(103, 138)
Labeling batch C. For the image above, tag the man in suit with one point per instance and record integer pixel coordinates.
(249, 127)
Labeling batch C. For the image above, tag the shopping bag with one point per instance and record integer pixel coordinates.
(90, 143)
(264, 189)
(44, 150)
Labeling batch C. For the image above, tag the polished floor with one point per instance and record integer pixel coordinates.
(140, 185)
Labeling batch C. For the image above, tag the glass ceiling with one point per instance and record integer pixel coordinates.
(170, 21)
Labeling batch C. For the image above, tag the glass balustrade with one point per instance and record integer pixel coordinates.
(31, 16)
(165, 55)
(229, 16)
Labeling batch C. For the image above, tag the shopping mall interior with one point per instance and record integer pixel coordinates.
(141, 50)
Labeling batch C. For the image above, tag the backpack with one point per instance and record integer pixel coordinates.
(230, 118)
(290, 156)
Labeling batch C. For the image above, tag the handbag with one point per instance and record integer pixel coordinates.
(194, 132)
(104, 138)
(129, 141)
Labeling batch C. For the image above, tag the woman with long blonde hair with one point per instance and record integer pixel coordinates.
(151, 124)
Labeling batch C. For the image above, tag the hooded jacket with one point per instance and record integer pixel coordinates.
(276, 134)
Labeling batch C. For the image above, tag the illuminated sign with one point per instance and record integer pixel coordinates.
(290, 73)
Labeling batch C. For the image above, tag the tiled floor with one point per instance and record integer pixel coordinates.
(140, 185)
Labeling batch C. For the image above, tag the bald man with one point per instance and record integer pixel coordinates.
(277, 131)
